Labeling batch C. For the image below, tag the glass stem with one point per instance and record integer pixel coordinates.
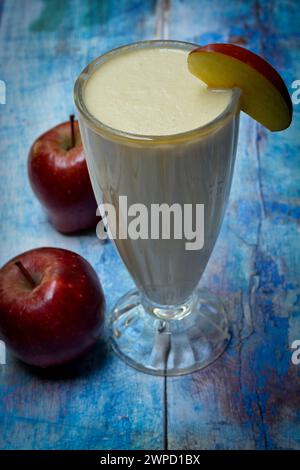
(169, 312)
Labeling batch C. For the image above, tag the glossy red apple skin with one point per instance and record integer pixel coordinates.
(59, 177)
(59, 319)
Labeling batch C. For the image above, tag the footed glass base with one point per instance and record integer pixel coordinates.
(169, 347)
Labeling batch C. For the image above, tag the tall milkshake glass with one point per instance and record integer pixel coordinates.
(167, 325)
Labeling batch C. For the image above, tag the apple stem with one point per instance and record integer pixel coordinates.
(25, 273)
(72, 117)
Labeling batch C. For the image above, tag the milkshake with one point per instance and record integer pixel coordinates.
(156, 134)
(150, 92)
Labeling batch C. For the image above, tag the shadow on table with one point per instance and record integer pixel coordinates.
(89, 364)
(85, 233)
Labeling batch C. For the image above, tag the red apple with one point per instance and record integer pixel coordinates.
(265, 96)
(59, 177)
(51, 306)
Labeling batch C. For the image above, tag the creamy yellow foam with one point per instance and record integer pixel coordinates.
(151, 92)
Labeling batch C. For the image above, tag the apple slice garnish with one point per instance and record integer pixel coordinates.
(265, 96)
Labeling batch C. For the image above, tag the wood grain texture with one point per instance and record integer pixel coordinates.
(103, 403)
(250, 397)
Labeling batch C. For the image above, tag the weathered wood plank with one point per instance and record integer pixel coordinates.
(102, 403)
(250, 397)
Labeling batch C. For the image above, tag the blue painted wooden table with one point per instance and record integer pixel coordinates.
(250, 398)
